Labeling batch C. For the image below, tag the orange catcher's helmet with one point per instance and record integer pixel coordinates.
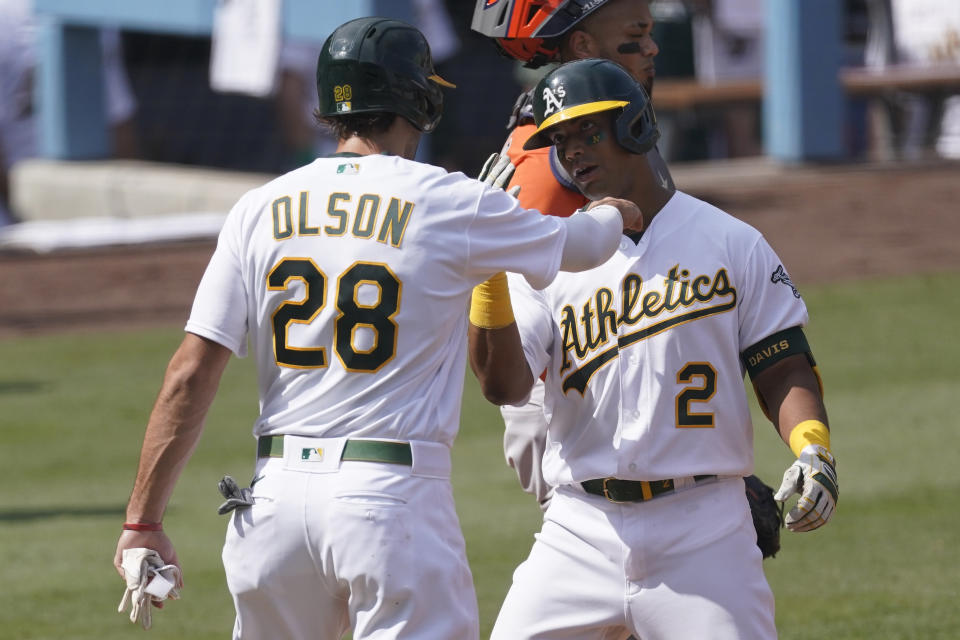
(527, 29)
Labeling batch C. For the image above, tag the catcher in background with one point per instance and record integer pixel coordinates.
(649, 434)
(561, 31)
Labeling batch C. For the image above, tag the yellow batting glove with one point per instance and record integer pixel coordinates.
(813, 476)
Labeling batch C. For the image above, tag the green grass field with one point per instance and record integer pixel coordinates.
(73, 408)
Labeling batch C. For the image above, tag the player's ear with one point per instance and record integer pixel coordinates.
(580, 45)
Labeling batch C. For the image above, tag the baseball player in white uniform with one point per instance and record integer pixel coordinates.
(649, 433)
(350, 279)
(538, 32)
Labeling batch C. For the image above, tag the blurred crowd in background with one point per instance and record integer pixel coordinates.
(161, 106)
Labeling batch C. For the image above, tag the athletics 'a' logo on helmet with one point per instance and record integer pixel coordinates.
(584, 87)
(379, 65)
(553, 99)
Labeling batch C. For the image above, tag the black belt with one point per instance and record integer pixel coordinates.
(389, 451)
(616, 490)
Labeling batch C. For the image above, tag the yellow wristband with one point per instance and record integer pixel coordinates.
(809, 432)
(490, 307)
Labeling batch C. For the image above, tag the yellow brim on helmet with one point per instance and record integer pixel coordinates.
(576, 111)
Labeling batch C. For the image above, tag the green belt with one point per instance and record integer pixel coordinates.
(354, 450)
(616, 490)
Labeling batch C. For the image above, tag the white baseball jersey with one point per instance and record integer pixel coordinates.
(351, 277)
(644, 376)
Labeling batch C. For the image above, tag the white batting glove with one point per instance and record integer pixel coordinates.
(814, 477)
(149, 580)
(497, 171)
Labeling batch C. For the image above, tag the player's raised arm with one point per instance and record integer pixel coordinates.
(494, 347)
(495, 350)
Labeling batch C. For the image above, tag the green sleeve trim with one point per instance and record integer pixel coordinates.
(758, 357)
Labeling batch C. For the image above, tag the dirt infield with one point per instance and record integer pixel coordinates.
(828, 224)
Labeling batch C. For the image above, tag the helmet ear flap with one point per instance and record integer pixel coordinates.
(637, 129)
(431, 109)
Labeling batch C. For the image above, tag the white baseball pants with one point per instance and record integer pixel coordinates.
(683, 565)
(331, 546)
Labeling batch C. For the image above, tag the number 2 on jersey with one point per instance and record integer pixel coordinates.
(377, 317)
(694, 373)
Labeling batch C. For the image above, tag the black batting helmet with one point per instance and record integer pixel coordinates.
(528, 29)
(379, 65)
(590, 86)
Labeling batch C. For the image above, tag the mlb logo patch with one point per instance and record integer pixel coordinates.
(312, 454)
(350, 168)
(344, 107)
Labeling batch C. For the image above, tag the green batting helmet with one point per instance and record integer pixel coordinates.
(583, 87)
(379, 65)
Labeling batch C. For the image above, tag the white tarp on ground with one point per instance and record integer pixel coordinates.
(51, 235)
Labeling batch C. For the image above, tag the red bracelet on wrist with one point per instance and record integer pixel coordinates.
(143, 526)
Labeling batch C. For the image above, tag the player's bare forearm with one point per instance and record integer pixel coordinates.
(791, 393)
(175, 424)
(497, 359)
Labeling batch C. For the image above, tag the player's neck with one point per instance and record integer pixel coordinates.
(401, 139)
(653, 187)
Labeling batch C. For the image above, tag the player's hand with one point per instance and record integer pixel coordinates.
(497, 172)
(630, 212)
(149, 579)
(814, 477)
(156, 540)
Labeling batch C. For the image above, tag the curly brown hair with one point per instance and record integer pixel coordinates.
(362, 125)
